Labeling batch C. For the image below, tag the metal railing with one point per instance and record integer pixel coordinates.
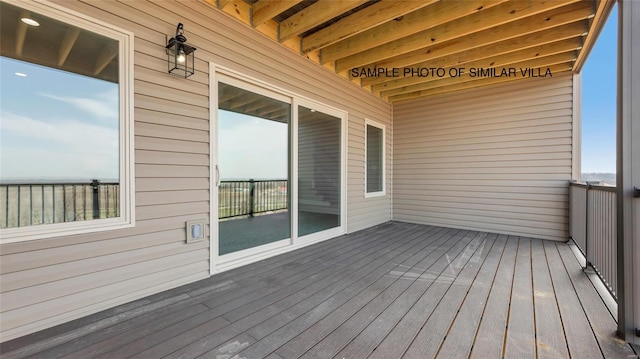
(27, 204)
(250, 197)
(593, 227)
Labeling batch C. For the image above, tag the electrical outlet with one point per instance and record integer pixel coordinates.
(195, 231)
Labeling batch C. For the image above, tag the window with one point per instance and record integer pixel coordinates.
(374, 159)
(66, 130)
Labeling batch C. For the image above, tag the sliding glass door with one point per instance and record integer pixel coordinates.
(278, 170)
(253, 169)
(319, 171)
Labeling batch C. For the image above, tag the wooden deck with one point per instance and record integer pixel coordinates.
(394, 291)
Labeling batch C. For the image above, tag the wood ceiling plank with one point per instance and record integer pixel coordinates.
(238, 9)
(107, 54)
(213, 3)
(470, 83)
(265, 10)
(603, 9)
(497, 60)
(519, 18)
(316, 14)
(69, 39)
(419, 20)
(524, 26)
(545, 61)
(21, 34)
(488, 39)
(369, 17)
(222, 3)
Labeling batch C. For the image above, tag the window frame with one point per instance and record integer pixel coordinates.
(383, 127)
(126, 130)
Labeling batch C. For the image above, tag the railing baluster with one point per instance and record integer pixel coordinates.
(600, 245)
(251, 197)
(21, 202)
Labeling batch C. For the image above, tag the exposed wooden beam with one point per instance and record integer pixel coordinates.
(519, 16)
(419, 20)
(241, 10)
(213, 3)
(239, 102)
(223, 3)
(485, 39)
(445, 55)
(560, 47)
(369, 17)
(69, 39)
(108, 53)
(523, 27)
(546, 61)
(601, 14)
(21, 34)
(316, 14)
(238, 9)
(464, 84)
(265, 10)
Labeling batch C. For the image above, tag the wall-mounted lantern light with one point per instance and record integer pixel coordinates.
(180, 55)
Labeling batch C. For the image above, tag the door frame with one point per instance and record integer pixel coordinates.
(244, 257)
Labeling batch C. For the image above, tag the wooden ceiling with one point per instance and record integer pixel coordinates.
(56, 44)
(392, 47)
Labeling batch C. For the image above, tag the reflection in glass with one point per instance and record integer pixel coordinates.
(319, 171)
(253, 157)
(60, 115)
(374, 159)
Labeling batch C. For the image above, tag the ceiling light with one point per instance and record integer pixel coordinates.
(29, 21)
(21, 74)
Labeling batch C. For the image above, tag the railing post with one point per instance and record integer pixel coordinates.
(251, 197)
(586, 228)
(96, 198)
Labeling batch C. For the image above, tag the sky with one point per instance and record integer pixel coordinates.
(599, 102)
(252, 147)
(72, 132)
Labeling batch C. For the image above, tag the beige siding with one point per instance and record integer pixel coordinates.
(492, 159)
(629, 169)
(51, 281)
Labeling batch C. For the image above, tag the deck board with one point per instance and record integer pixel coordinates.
(340, 329)
(433, 331)
(398, 290)
(104, 341)
(368, 339)
(600, 320)
(581, 341)
(272, 339)
(459, 339)
(521, 336)
(489, 339)
(401, 336)
(261, 323)
(550, 336)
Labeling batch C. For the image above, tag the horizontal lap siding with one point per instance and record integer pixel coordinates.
(494, 159)
(51, 281)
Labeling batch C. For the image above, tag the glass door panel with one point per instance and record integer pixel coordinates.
(319, 171)
(253, 164)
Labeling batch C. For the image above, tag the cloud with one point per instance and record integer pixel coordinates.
(68, 148)
(252, 150)
(103, 106)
